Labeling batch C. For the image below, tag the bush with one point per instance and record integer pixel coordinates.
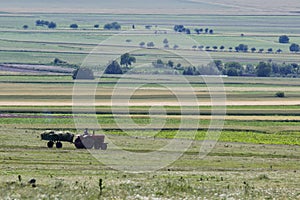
(112, 26)
(74, 26)
(280, 94)
(284, 39)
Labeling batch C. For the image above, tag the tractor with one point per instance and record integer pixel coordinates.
(84, 141)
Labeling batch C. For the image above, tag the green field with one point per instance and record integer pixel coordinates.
(40, 45)
(257, 134)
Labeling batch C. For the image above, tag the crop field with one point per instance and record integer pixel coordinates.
(257, 154)
(243, 139)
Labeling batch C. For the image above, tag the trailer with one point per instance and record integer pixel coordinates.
(57, 138)
(83, 141)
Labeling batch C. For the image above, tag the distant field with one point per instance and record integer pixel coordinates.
(39, 45)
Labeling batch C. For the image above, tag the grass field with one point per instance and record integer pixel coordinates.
(256, 156)
(257, 152)
(39, 45)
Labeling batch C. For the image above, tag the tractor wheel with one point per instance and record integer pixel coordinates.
(58, 145)
(97, 145)
(50, 144)
(88, 143)
(78, 144)
(104, 146)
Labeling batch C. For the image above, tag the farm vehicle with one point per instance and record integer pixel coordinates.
(83, 141)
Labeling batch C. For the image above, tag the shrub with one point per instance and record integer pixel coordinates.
(74, 26)
(280, 94)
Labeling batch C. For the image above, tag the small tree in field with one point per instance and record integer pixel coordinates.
(127, 59)
(74, 26)
(280, 94)
(150, 44)
(253, 49)
(142, 44)
(284, 39)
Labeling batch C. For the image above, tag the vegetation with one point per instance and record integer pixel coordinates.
(113, 68)
(284, 39)
(257, 154)
(74, 26)
(112, 26)
(280, 94)
(127, 60)
(83, 73)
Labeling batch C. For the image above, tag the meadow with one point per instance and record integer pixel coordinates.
(257, 154)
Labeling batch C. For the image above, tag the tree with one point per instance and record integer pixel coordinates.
(294, 48)
(190, 71)
(211, 31)
(242, 48)
(263, 69)
(112, 26)
(25, 27)
(206, 30)
(127, 59)
(165, 41)
(230, 49)
(201, 47)
(278, 51)
(188, 31)
(74, 26)
(232, 72)
(219, 65)
(260, 50)
(83, 73)
(52, 25)
(96, 26)
(113, 68)
(170, 63)
(41, 23)
(253, 49)
(280, 94)
(233, 69)
(222, 47)
(270, 50)
(284, 39)
(175, 46)
(197, 30)
(179, 28)
(215, 48)
(142, 44)
(150, 44)
(194, 47)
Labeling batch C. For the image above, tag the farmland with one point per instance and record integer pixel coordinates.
(257, 154)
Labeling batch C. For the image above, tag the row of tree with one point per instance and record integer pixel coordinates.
(181, 29)
(52, 25)
(262, 69)
(39, 22)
